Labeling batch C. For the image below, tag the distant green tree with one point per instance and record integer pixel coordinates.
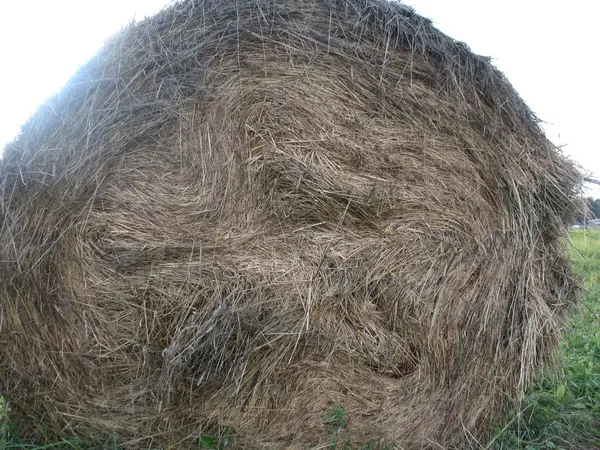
(594, 207)
(597, 208)
(590, 207)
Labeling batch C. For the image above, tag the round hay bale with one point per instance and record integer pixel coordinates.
(241, 213)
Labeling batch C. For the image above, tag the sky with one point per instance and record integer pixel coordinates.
(546, 48)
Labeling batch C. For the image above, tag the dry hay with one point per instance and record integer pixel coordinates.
(240, 213)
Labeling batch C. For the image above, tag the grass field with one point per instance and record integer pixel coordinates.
(562, 411)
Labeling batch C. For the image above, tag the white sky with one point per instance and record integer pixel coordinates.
(547, 49)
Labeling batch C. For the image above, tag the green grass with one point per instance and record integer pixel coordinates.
(3, 424)
(562, 411)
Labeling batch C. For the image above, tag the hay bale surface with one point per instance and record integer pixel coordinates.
(240, 213)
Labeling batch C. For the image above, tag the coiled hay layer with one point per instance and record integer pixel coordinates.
(240, 213)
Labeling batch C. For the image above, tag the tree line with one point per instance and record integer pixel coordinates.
(593, 207)
(590, 209)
